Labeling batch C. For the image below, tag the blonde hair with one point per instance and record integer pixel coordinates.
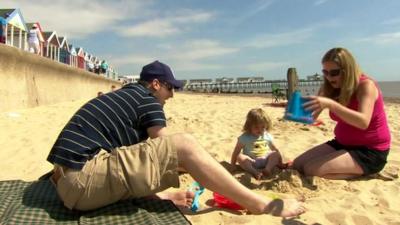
(257, 116)
(350, 73)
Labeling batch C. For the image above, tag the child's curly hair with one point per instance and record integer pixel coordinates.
(257, 116)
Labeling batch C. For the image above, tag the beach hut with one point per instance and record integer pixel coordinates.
(41, 37)
(81, 57)
(64, 50)
(16, 30)
(73, 56)
(51, 45)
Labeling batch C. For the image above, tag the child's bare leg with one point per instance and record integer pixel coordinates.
(273, 160)
(246, 163)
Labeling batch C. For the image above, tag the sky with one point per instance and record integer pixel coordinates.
(226, 38)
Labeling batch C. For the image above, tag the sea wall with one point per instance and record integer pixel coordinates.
(28, 80)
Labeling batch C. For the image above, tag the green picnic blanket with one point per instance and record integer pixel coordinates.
(37, 203)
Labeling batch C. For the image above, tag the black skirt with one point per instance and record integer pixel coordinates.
(370, 160)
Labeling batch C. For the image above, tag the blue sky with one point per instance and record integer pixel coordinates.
(226, 38)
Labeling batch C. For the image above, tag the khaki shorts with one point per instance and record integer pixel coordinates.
(127, 172)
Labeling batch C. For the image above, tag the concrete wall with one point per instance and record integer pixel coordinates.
(28, 80)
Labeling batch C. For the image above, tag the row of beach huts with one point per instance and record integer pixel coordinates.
(51, 45)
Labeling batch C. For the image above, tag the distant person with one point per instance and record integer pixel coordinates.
(90, 66)
(117, 146)
(97, 67)
(3, 34)
(362, 137)
(256, 143)
(33, 39)
(103, 67)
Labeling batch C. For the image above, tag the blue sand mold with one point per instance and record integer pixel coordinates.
(296, 112)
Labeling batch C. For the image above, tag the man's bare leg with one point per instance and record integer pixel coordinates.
(180, 198)
(208, 172)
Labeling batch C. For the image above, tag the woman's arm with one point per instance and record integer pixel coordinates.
(367, 94)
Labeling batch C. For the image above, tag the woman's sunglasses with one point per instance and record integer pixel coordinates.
(332, 73)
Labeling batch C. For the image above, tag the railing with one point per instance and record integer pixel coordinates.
(306, 87)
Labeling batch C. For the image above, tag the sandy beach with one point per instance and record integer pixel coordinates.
(27, 135)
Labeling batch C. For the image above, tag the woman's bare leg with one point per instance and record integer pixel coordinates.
(335, 165)
(300, 161)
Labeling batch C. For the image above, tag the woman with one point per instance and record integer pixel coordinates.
(362, 137)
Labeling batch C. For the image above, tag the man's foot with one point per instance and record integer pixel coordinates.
(285, 207)
(182, 199)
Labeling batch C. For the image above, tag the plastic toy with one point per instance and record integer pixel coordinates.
(295, 110)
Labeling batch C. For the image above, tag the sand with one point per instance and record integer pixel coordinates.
(27, 135)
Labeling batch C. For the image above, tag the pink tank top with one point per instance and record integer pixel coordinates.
(376, 136)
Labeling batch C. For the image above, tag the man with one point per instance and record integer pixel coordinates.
(103, 154)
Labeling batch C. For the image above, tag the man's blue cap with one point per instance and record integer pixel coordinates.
(160, 71)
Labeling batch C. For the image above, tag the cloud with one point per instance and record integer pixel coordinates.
(166, 26)
(76, 18)
(384, 38)
(187, 56)
(260, 6)
(201, 49)
(280, 39)
(154, 28)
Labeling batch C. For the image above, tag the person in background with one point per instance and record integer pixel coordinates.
(117, 146)
(33, 39)
(3, 25)
(103, 67)
(362, 136)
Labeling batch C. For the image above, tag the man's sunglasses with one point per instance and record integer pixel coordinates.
(332, 73)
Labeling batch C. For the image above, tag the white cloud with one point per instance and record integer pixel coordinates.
(185, 57)
(201, 49)
(260, 6)
(280, 39)
(154, 28)
(76, 18)
(136, 59)
(166, 26)
(384, 38)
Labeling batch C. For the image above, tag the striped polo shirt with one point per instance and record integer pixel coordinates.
(116, 119)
